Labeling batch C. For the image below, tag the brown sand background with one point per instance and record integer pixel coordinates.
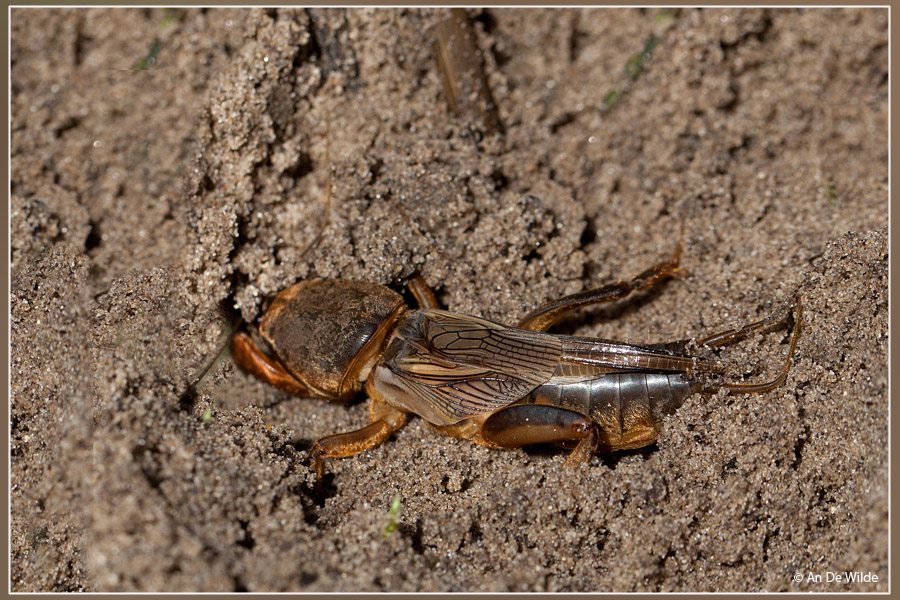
(151, 207)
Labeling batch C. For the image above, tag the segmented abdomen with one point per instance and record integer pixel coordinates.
(628, 407)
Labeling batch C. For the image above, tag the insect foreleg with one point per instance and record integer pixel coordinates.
(256, 362)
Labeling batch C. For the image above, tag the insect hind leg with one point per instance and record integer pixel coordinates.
(524, 424)
(547, 314)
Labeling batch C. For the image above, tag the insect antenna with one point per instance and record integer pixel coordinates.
(326, 215)
(199, 378)
(415, 229)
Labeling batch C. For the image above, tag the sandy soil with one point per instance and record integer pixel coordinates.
(151, 208)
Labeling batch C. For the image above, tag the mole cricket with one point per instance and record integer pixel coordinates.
(500, 386)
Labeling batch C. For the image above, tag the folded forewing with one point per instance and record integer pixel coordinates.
(459, 365)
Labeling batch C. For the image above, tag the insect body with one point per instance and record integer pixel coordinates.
(500, 386)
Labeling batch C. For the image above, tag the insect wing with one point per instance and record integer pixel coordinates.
(617, 356)
(458, 366)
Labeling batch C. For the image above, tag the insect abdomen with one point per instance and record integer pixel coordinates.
(627, 407)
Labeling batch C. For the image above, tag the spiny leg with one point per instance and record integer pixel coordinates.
(523, 424)
(544, 316)
(256, 362)
(383, 420)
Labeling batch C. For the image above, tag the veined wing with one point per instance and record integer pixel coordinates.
(446, 367)
(618, 356)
